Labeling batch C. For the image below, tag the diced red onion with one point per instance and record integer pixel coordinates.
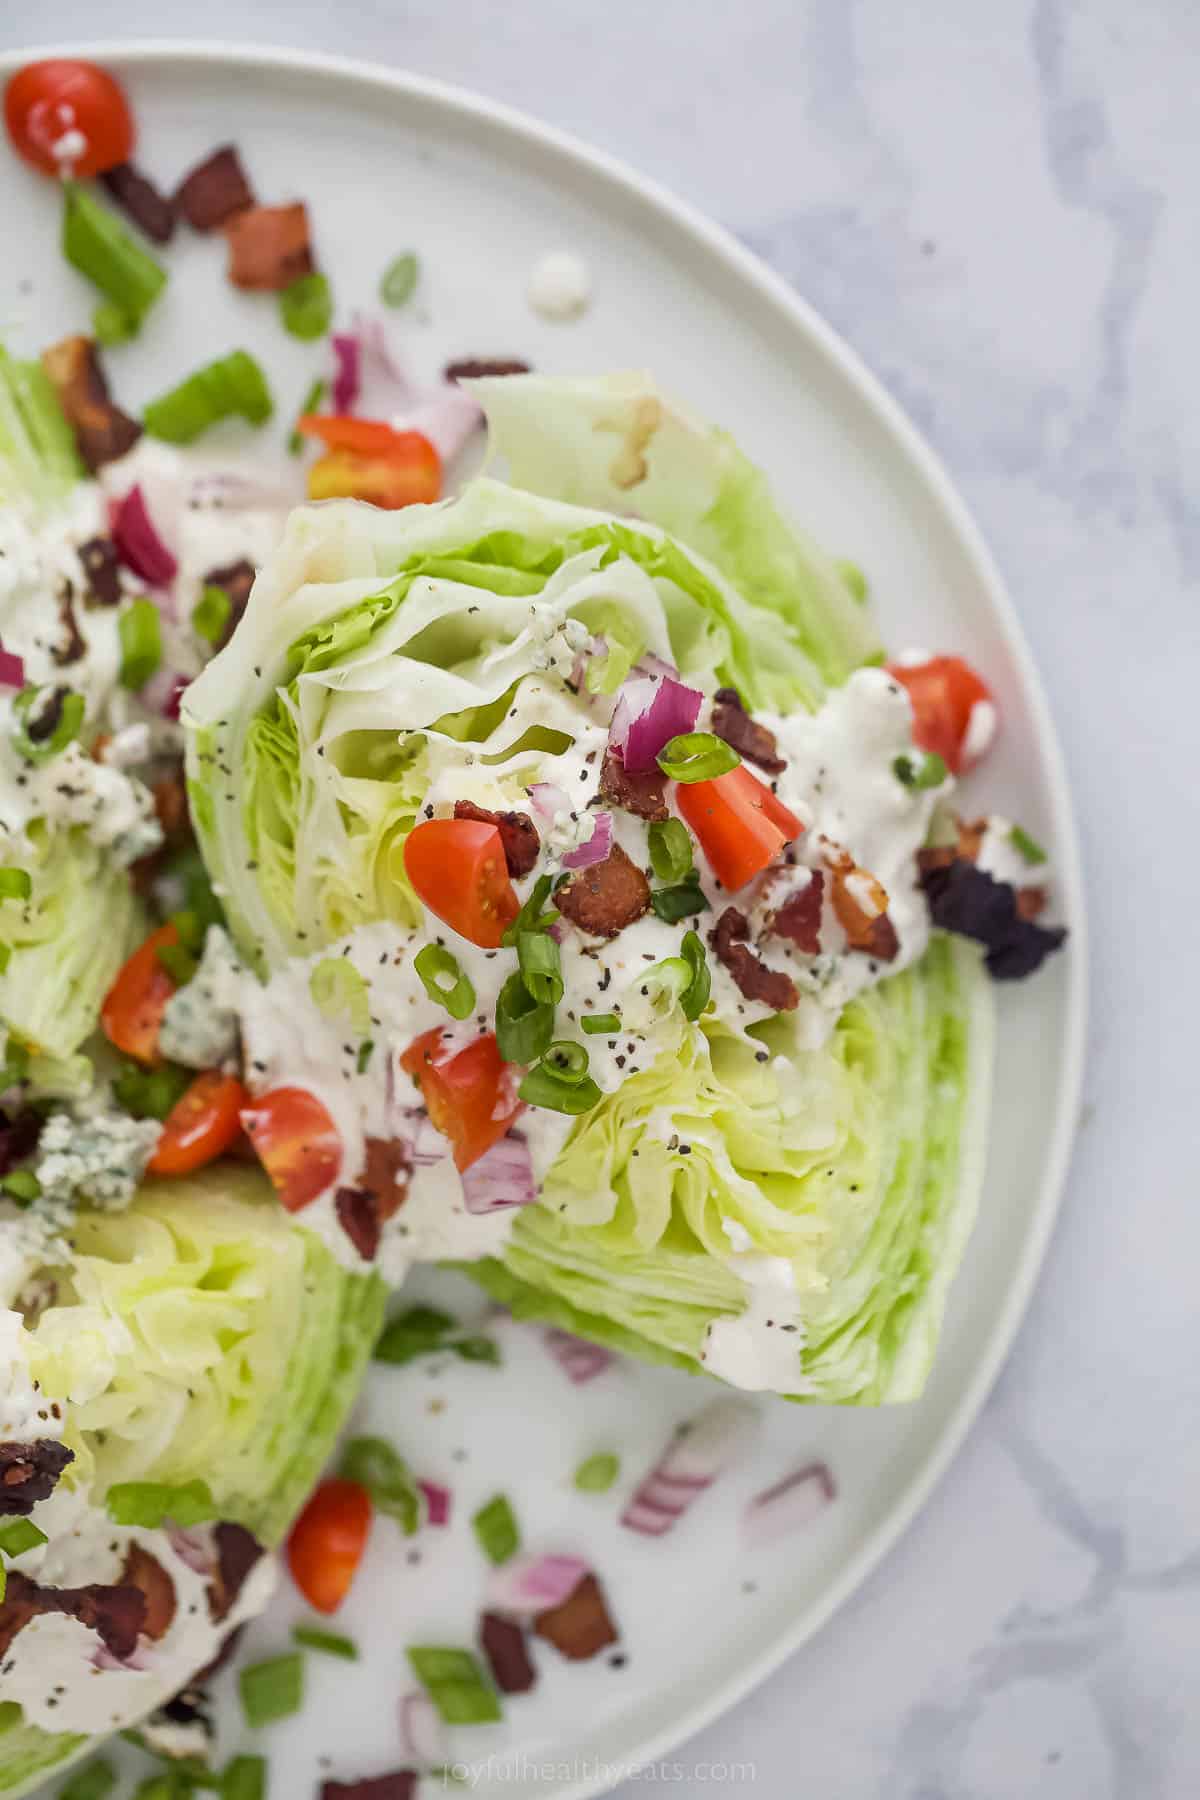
(649, 664)
(449, 417)
(195, 1548)
(421, 1732)
(792, 1503)
(437, 1502)
(597, 846)
(163, 693)
(580, 1360)
(12, 669)
(691, 1462)
(650, 711)
(427, 1146)
(347, 380)
(547, 800)
(526, 1585)
(141, 1658)
(501, 1177)
(138, 544)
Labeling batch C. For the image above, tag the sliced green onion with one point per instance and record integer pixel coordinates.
(45, 721)
(597, 1473)
(150, 1093)
(541, 968)
(140, 631)
(1027, 847)
(19, 1535)
(273, 1689)
(96, 1782)
(233, 385)
(495, 1526)
(306, 307)
(853, 577)
(560, 1082)
(244, 1778)
(925, 769)
(338, 987)
(600, 1024)
(15, 884)
(149, 1503)
(444, 981)
(365, 1052)
(569, 1061)
(375, 1465)
(112, 324)
(95, 242)
(178, 961)
(329, 1643)
(672, 856)
(476, 1349)
(400, 279)
(190, 927)
(22, 1185)
(16, 1064)
(532, 916)
(455, 1683)
(674, 903)
(524, 1026)
(697, 756)
(417, 1331)
(696, 997)
(210, 615)
(310, 404)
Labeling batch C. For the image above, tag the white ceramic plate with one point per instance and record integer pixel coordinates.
(388, 162)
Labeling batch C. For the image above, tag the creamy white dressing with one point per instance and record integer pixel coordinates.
(25, 1413)
(560, 285)
(1000, 858)
(760, 1347)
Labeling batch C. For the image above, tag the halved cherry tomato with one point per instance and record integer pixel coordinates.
(135, 1003)
(327, 1543)
(201, 1125)
(469, 1094)
(367, 460)
(458, 869)
(297, 1143)
(945, 692)
(742, 826)
(341, 431)
(47, 104)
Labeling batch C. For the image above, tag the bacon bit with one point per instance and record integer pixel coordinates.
(518, 834)
(102, 431)
(401, 1784)
(29, 1472)
(171, 805)
(474, 368)
(115, 1614)
(644, 795)
(861, 909)
(214, 190)
(731, 721)
(269, 247)
(18, 1139)
(358, 1215)
(799, 918)
(235, 579)
(150, 209)
(503, 1643)
(102, 567)
(75, 644)
(237, 1552)
(967, 900)
(606, 898)
(145, 1573)
(581, 1626)
(730, 939)
(1031, 902)
(386, 1171)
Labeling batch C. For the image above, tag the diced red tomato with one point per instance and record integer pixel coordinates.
(48, 104)
(297, 1143)
(342, 431)
(366, 459)
(458, 869)
(328, 1541)
(201, 1125)
(469, 1095)
(945, 692)
(742, 826)
(135, 1003)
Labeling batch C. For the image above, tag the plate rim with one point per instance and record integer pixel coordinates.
(720, 244)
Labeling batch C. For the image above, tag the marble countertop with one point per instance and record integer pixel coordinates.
(995, 205)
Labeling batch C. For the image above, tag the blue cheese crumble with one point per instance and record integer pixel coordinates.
(200, 1025)
(99, 1156)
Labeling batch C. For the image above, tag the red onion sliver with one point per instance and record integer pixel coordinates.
(449, 417)
(649, 664)
(648, 714)
(421, 1732)
(163, 693)
(597, 846)
(141, 1659)
(792, 1503)
(195, 1548)
(546, 800)
(691, 1462)
(427, 1146)
(581, 1361)
(347, 381)
(12, 669)
(501, 1177)
(527, 1584)
(138, 544)
(437, 1502)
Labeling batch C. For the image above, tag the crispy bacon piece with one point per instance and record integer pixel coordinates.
(115, 1614)
(145, 1573)
(74, 644)
(401, 1784)
(860, 903)
(799, 918)
(235, 579)
(644, 795)
(607, 897)
(269, 247)
(730, 939)
(150, 209)
(358, 1215)
(214, 190)
(731, 721)
(29, 1472)
(19, 1136)
(518, 834)
(102, 567)
(1031, 902)
(503, 1643)
(473, 368)
(237, 1552)
(966, 899)
(386, 1173)
(102, 431)
(579, 1626)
